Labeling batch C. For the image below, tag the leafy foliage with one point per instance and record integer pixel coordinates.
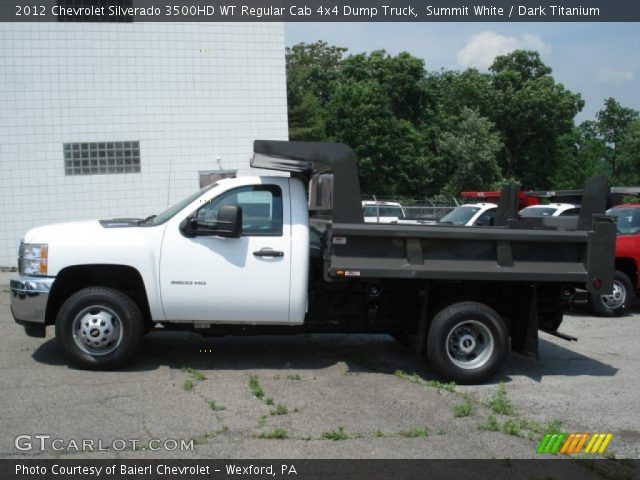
(426, 133)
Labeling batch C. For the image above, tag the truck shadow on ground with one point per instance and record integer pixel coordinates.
(360, 353)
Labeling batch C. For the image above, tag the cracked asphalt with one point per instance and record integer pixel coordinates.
(340, 396)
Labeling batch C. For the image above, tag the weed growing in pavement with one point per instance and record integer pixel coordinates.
(500, 402)
(463, 409)
(335, 435)
(255, 387)
(216, 407)
(279, 410)
(278, 433)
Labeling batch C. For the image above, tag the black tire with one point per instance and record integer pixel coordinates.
(92, 306)
(616, 303)
(474, 324)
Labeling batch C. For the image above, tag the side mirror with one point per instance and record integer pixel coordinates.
(228, 224)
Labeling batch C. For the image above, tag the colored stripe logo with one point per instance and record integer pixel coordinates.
(572, 443)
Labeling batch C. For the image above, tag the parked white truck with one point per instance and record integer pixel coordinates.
(251, 255)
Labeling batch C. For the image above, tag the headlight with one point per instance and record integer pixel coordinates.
(33, 259)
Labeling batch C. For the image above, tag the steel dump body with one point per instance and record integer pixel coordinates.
(478, 253)
(520, 251)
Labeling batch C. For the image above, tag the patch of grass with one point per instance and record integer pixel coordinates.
(279, 410)
(294, 376)
(378, 433)
(418, 432)
(278, 434)
(512, 427)
(335, 435)
(195, 374)
(491, 424)
(187, 385)
(262, 420)
(268, 401)
(553, 427)
(500, 402)
(215, 406)
(463, 409)
(447, 387)
(441, 431)
(255, 387)
(224, 429)
(415, 378)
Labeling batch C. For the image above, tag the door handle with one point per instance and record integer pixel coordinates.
(267, 252)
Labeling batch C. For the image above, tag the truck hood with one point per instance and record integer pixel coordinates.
(98, 242)
(63, 232)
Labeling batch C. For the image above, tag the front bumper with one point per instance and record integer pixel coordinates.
(29, 296)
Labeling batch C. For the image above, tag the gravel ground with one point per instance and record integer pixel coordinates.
(334, 396)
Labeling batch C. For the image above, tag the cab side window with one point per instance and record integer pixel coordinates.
(261, 209)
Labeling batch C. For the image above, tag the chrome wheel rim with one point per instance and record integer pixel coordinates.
(97, 330)
(617, 298)
(470, 344)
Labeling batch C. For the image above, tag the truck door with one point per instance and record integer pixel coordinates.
(239, 280)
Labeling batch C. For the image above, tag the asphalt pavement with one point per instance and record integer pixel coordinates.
(315, 396)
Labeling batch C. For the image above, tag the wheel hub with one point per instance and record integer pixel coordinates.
(617, 297)
(97, 330)
(467, 343)
(470, 344)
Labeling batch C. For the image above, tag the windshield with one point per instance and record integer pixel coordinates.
(171, 211)
(383, 211)
(538, 212)
(460, 215)
(627, 220)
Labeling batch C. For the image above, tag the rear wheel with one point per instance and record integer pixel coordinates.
(615, 303)
(467, 342)
(99, 328)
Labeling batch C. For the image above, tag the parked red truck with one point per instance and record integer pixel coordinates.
(626, 279)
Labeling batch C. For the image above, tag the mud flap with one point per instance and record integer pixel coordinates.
(524, 322)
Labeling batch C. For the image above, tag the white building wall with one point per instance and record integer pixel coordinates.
(189, 93)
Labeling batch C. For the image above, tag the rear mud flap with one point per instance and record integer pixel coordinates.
(524, 325)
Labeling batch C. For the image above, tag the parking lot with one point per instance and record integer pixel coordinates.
(320, 396)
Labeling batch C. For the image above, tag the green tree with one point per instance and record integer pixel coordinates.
(401, 79)
(579, 153)
(629, 155)
(312, 73)
(391, 153)
(613, 124)
(532, 111)
(469, 154)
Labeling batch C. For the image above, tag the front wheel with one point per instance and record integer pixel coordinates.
(467, 342)
(99, 328)
(615, 303)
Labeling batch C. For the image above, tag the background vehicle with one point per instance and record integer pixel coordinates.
(251, 255)
(471, 214)
(627, 258)
(382, 211)
(551, 210)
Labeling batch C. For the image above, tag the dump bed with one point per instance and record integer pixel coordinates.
(579, 252)
(474, 253)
